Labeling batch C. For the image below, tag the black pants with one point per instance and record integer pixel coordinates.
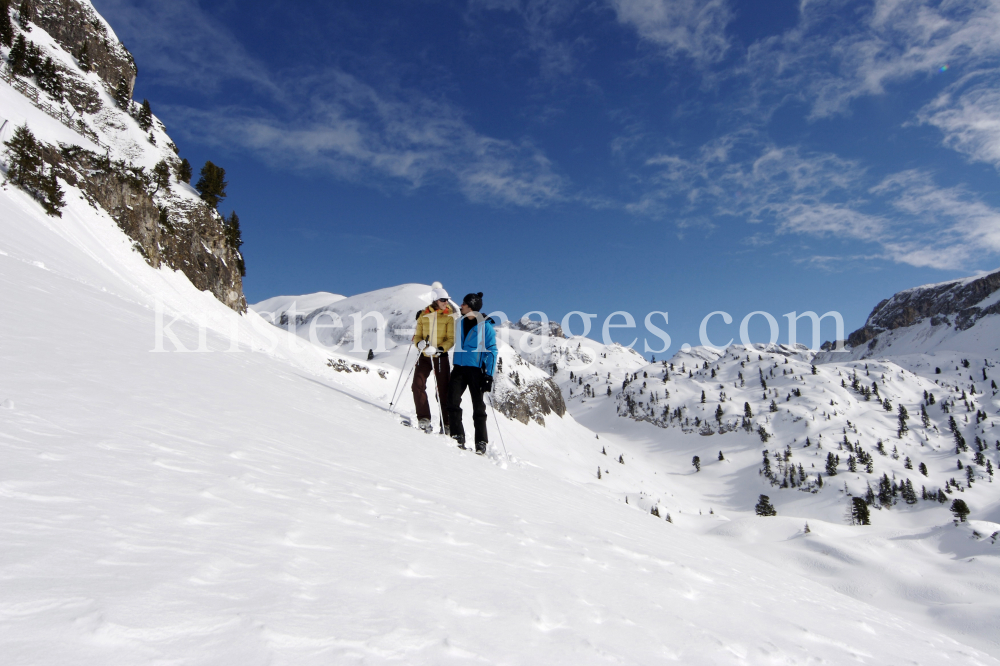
(462, 377)
(442, 372)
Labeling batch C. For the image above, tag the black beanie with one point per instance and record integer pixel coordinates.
(474, 301)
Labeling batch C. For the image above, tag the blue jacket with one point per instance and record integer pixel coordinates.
(471, 351)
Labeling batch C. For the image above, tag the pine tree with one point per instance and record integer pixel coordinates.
(859, 512)
(747, 412)
(184, 171)
(145, 116)
(696, 461)
(909, 494)
(703, 397)
(25, 159)
(960, 510)
(923, 468)
(6, 28)
(721, 457)
(924, 416)
(123, 96)
(764, 507)
(774, 406)
(161, 176)
(655, 511)
(234, 238)
(83, 57)
(53, 201)
(831, 464)
(26, 14)
(885, 491)
(212, 184)
(50, 80)
(719, 413)
(17, 59)
(904, 416)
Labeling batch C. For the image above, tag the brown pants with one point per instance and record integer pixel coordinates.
(442, 373)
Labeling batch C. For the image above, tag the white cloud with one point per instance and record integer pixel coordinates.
(907, 215)
(696, 28)
(842, 49)
(968, 114)
(360, 131)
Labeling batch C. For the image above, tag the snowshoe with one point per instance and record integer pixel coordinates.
(425, 425)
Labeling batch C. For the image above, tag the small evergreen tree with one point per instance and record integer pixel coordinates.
(17, 59)
(831, 464)
(922, 468)
(696, 461)
(960, 510)
(83, 57)
(26, 14)
(6, 28)
(718, 414)
(903, 416)
(909, 494)
(764, 507)
(721, 457)
(53, 201)
(859, 512)
(161, 176)
(703, 397)
(924, 416)
(184, 171)
(25, 159)
(234, 238)
(747, 412)
(145, 116)
(655, 511)
(212, 184)
(814, 371)
(123, 96)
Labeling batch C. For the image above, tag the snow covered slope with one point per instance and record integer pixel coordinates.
(226, 507)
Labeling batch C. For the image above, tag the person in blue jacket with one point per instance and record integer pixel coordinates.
(473, 363)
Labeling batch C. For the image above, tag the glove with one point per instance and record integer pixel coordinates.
(430, 350)
(421, 344)
(486, 385)
(441, 352)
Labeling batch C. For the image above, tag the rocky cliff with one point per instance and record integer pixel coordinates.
(113, 162)
(960, 304)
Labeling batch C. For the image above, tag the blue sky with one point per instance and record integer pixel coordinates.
(594, 155)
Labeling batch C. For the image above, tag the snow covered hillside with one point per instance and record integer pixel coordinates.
(185, 482)
(236, 508)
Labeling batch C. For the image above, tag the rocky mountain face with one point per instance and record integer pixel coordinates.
(960, 303)
(169, 225)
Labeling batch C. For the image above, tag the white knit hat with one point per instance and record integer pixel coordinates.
(439, 293)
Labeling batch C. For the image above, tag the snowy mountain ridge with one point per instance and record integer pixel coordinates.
(71, 87)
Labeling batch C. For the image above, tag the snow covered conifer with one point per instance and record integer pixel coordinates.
(718, 414)
(774, 406)
(960, 510)
(747, 412)
(922, 468)
(703, 397)
(764, 507)
(123, 96)
(53, 201)
(145, 116)
(17, 59)
(721, 457)
(6, 28)
(831, 464)
(859, 512)
(26, 14)
(25, 159)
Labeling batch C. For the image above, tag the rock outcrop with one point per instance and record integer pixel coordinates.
(959, 303)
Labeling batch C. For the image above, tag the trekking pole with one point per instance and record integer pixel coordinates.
(398, 379)
(406, 380)
(437, 396)
(495, 420)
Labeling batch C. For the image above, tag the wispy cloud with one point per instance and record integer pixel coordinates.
(695, 28)
(740, 177)
(968, 114)
(374, 132)
(842, 50)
